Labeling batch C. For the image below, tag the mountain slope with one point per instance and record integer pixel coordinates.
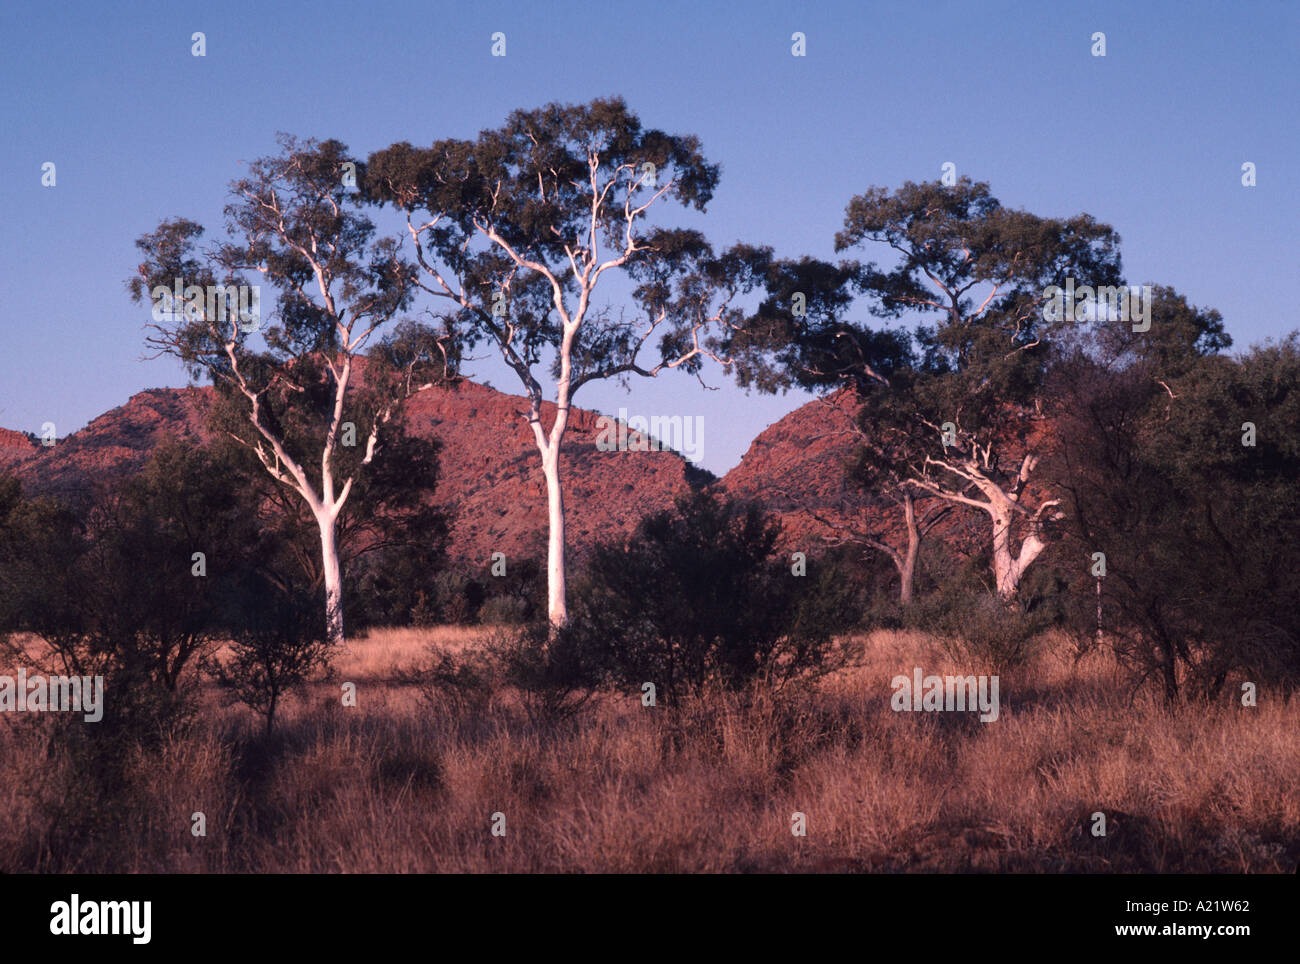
(490, 473)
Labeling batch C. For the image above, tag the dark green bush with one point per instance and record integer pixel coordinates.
(557, 672)
(979, 629)
(278, 640)
(698, 595)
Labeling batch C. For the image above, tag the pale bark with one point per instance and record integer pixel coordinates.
(1009, 568)
(907, 563)
(1002, 504)
(585, 263)
(333, 576)
(556, 602)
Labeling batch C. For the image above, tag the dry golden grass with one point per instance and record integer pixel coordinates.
(398, 784)
(385, 653)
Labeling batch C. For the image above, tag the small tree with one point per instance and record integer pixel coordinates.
(279, 639)
(517, 228)
(294, 222)
(76, 580)
(391, 539)
(698, 595)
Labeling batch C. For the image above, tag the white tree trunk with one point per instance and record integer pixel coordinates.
(1009, 569)
(333, 577)
(556, 605)
(1002, 506)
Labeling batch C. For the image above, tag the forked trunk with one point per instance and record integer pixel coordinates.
(1009, 570)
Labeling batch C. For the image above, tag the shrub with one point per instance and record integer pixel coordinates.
(463, 682)
(978, 627)
(698, 595)
(504, 611)
(459, 597)
(518, 596)
(279, 639)
(129, 588)
(557, 672)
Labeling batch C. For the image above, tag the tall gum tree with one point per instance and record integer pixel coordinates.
(515, 231)
(295, 224)
(964, 423)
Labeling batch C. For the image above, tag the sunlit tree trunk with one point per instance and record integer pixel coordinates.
(332, 571)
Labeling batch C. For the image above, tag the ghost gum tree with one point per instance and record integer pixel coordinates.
(517, 229)
(963, 422)
(295, 225)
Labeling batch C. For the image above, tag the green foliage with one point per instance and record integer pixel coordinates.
(464, 681)
(114, 591)
(853, 586)
(976, 628)
(391, 540)
(530, 177)
(523, 208)
(457, 598)
(278, 639)
(517, 597)
(290, 219)
(1199, 530)
(811, 345)
(696, 595)
(504, 611)
(1180, 335)
(462, 598)
(557, 672)
(982, 366)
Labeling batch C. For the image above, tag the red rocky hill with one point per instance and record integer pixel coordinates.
(117, 442)
(490, 473)
(14, 447)
(795, 468)
(491, 476)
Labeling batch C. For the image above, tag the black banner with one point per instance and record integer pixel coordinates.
(605, 915)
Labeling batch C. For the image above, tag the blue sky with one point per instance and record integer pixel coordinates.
(1150, 139)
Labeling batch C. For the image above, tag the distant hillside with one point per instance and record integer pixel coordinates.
(795, 467)
(490, 473)
(117, 442)
(491, 478)
(14, 447)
